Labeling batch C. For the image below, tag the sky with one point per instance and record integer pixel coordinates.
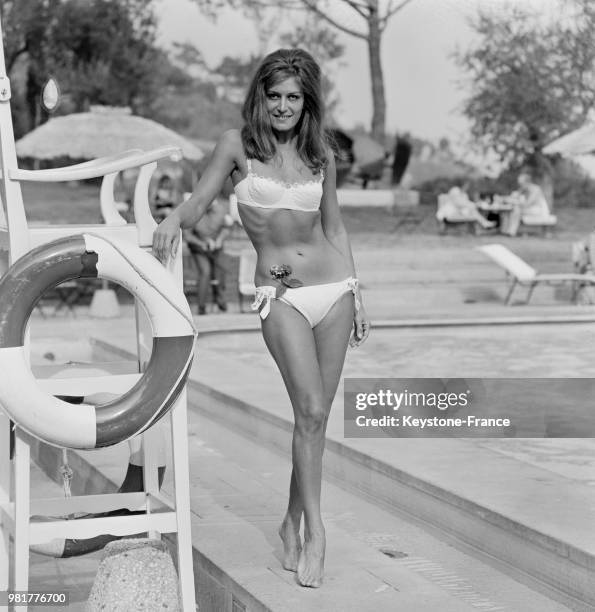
(424, 86)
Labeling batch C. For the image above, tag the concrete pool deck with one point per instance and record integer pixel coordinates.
(377, 561)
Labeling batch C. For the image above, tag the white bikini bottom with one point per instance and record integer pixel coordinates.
(313, 301)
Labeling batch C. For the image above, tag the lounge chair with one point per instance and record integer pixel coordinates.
(246, 286)
(521, 273)
(447, 216)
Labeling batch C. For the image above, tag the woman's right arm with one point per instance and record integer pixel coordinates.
(166, 237)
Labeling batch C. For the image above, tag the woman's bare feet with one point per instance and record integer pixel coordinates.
(310, 567)
(289, 532)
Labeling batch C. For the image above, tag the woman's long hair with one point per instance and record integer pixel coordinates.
(257, 133)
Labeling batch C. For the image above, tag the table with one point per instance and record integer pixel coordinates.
(498, 212)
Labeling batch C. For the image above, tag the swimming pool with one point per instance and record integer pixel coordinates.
(509, 350)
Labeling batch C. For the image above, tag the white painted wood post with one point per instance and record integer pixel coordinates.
(4, 500)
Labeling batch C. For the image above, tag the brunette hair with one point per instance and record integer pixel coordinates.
(257, 133)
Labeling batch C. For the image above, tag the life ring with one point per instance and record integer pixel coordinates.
(86, 426)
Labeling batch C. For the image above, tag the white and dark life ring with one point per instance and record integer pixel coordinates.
(87, 426)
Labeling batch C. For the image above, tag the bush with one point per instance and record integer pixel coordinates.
(430, 190)
(573, 188)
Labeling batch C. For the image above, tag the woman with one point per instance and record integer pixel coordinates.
(306, 291)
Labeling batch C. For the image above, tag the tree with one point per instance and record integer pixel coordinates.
(530, 80)
(374, 15)
(101, 52)
(191, 102)
(104, 52)
(237, 72)
(233, 74)
(189, 58)
(24, 23)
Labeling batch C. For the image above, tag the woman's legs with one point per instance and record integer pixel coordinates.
(219, 273)
(310, 362)
(290, 341)
(289, 531)
(332, 338)
(203, 266)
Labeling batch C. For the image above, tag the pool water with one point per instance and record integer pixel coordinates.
(527, 351)
(533, 351)
(496, 351)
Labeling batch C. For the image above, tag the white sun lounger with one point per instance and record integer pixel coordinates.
(521, 273)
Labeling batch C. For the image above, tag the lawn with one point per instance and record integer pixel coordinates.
(79, 203)
(59, 203)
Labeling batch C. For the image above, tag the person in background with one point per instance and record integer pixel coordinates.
(401, 157)
(205, 242)
(530, 204)
(166, 197)
(459, 204)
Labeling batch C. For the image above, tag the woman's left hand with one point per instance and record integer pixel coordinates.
(361, 327)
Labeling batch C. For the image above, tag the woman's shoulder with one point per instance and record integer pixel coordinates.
(230, 146)
(231, 140)
(330, 156)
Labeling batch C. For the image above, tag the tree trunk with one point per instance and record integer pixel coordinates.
(32, 92)
(378, 99)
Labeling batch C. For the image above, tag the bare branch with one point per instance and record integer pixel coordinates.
(278, 4)
(356, 6)
(391, 11)
(311, 5)
(304, 5)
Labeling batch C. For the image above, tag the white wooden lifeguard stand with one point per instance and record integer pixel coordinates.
(159, 514)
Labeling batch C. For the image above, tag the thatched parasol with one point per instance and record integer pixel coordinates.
(587, 163)
(100, 132)
(577, 142)
(578, 145)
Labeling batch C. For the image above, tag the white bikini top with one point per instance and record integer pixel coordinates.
(265, 192)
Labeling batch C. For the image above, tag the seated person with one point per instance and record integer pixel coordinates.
(205, 242)
(530, 205)
(457, 206)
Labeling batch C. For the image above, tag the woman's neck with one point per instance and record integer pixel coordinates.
(284, 138)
